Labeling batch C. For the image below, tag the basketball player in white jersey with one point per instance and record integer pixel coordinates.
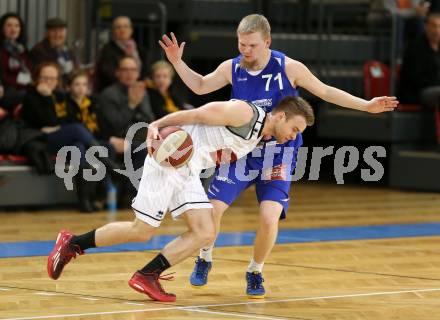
(233, 125)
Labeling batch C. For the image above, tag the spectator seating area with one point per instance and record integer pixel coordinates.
(332, 37)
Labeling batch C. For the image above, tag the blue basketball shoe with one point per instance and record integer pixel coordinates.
(255, 289)
(199, 277)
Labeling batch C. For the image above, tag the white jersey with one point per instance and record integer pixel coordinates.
(220, 144)
(164, 189)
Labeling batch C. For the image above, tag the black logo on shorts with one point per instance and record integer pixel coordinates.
(159, 215)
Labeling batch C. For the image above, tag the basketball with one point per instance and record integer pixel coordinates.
(174, 148)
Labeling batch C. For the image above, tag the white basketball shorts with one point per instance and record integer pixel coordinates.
(163, 190)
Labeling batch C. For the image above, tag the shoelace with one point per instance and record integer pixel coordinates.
(202, 268)
(166, 277)
(256, 280)
(73, 251)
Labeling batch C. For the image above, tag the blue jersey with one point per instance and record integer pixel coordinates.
(265, 88)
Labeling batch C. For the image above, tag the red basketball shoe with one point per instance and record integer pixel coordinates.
(61, 254)
(149, 284)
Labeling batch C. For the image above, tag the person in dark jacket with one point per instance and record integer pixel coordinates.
(421, 63)
(45, 109)
(85, 109)
(122, 105)
(125, 102)
(121, 44)
(53, 48)
(15, 65)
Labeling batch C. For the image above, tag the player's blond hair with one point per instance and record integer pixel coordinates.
(254, 23)
(296, 106)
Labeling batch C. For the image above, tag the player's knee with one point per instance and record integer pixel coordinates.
(140, 231)
(268, 222)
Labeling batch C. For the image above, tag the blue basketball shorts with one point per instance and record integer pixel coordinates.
(270, 178)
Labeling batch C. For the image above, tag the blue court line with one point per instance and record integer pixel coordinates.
(42, 248)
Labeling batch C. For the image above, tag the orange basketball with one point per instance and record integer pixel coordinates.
(174, 148)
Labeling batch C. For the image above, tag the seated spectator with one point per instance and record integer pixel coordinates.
(421, 63)
(45, 109)
(53, 48)
(162, 100)
(15, 65)
(85, 111)
(83, 106)
(121, 44)
(124, 104)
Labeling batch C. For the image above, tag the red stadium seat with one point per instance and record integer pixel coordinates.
(376, 79)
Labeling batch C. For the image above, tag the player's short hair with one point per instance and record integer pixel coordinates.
(162, 64)
(254, 23)
(296, 106)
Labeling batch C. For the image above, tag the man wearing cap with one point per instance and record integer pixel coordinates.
(53, 48)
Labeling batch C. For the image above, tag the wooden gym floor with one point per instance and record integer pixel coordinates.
(347, 253)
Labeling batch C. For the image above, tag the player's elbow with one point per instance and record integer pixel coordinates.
(200, 90)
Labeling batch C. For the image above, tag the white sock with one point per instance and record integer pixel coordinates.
(206, 253)
(253, 266)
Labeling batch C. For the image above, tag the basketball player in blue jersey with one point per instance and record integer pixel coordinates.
(262, 76)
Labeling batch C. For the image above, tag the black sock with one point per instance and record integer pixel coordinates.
(158, 265)
(84, 241)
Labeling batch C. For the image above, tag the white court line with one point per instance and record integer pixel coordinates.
(91, 299)
(227, 304)
(5, 289)
(134, 304)
(46, 293)
(234, 314)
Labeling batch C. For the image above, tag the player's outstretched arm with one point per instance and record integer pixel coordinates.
(196, 82)
(233, 113)
(302, 77)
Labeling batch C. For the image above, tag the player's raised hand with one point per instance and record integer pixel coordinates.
(171, 47)
(382, 104)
